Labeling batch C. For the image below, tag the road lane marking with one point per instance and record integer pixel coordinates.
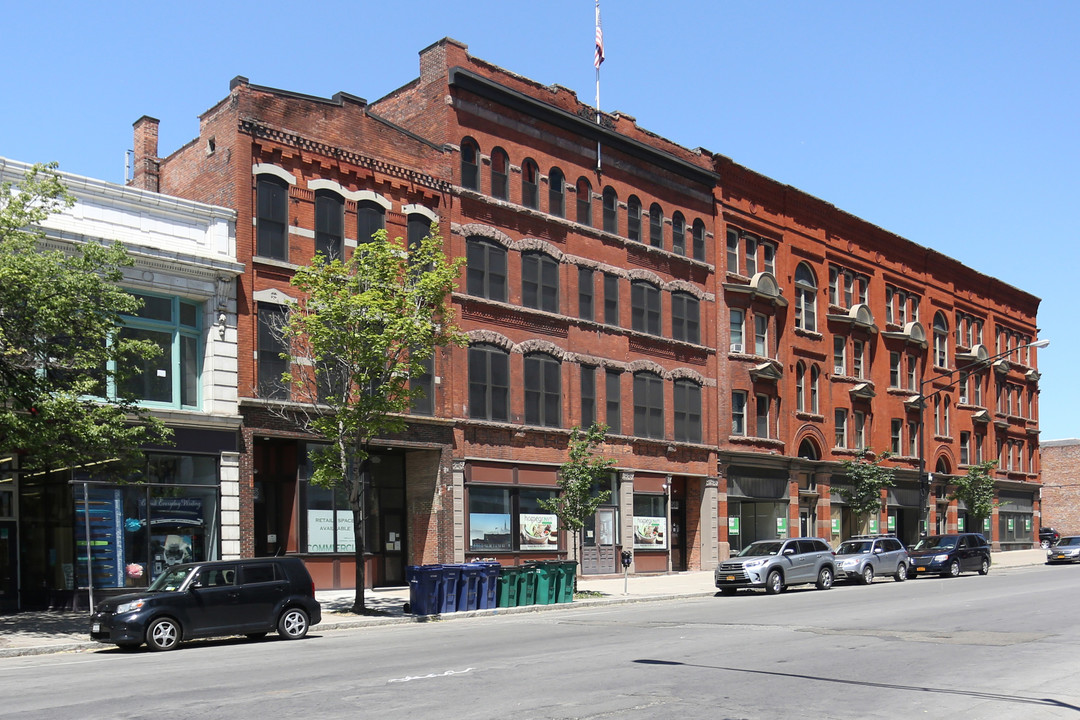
(448, 673)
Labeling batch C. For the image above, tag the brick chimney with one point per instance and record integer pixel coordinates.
(145, 175)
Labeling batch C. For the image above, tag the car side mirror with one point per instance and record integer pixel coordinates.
(789, 551)
(878, 551)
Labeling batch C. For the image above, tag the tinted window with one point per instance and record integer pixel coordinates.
(259, 573)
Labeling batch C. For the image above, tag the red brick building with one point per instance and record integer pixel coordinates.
(738, 336)
(1061, 485)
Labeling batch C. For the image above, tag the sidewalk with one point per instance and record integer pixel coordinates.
(37, 633)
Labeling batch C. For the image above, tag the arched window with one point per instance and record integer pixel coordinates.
(329, 224)
(530, 184)
(543, 390)
(540, 281)
(489, 383)
(656, 226)
(645, 307)
(687, 411)
(685, 317)
(370, 218)
(648, 405)
(485, 269)
(633, 218)
(678, 233)
(611, 210)
(272, 221)
(941, 340)
(698, 234)
(805, 298)
(470, 164)
(584, 201)
(500, 174)
(557, 193)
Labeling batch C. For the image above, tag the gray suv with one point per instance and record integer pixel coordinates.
(776, 564)
(864, 556)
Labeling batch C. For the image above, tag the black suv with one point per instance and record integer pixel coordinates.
(950, 555)
(1048, 536)
(232, 597)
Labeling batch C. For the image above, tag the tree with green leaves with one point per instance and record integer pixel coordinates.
(64, 399)
(976, 490)
(362, 331)
(868, 478)
(580, 478)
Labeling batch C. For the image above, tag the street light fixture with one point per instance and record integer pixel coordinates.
(924, 477)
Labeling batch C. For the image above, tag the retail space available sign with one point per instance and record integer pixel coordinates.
(321, 527)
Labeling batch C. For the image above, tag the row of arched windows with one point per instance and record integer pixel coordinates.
(490, 385)
(687, 238)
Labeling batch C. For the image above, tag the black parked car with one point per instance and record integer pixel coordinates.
(241, 597)
(950, 555)
(1048, 536)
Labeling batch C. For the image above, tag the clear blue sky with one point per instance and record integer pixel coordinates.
(953, 124)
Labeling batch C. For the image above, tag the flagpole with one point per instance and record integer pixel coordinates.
(598, 59)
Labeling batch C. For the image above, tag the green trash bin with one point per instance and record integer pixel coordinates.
(508, 586)
(564, 593)
(526, 594)
(546, 582)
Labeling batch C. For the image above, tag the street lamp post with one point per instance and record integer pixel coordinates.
(925, 478)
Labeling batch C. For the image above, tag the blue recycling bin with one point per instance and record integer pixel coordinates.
(468, 586)
(448, 594)
(487, 591)
(424, 586)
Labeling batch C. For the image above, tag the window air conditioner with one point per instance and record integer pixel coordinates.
(838, 370)
(736, 347)
(963, 399)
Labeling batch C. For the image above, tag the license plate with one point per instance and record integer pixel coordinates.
(1060, 557)
(96, 627)
(921, 569)
(731, 578)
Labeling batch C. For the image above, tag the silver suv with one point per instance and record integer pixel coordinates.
(776, 564)
(864, 556)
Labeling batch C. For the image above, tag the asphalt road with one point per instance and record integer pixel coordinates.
(1004, 645)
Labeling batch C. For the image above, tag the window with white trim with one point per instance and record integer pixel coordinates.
(738, 412)
(805, 298)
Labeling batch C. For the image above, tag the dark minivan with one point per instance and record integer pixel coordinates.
(950, 555)
(231, 597)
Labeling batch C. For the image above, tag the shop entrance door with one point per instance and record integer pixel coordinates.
(393, 549)
(9, 566)
(598, 546)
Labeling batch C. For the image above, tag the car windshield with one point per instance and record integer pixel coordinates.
(937, 542)
(1069, 541)
(171, 580)
(853, 547)
(759, 549)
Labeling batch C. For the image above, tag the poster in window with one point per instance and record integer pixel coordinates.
(321, 527)
(489, 531)
(539, 531)
(650, 532)
(733, 526)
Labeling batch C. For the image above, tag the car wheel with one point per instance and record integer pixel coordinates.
(867, 575)
(984, 567)
(901, 572)
(293, 624)
(774, 583)
(1045, 544)
(953, 569)
(163, 634)
(825, 578)
(256, 636)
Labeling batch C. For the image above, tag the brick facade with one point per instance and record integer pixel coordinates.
(805, 313)
(1061, 486)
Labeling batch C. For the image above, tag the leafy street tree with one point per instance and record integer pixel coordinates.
(364, 329)
(579, 479)
(868, 478)
(65, 395)
(976, 490)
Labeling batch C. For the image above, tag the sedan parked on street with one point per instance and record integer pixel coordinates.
(865, 556)
(950, 555)
(1067, 550)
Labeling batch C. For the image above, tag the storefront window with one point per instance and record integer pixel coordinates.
(650, 522)
(508, 519)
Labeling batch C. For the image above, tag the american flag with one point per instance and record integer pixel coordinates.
(598, 56)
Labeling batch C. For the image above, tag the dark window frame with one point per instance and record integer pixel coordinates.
(489, 400)
(486, 271)
(272, 221)
(648, 405)
(542, 384)
(645, 307)
(539, 281)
